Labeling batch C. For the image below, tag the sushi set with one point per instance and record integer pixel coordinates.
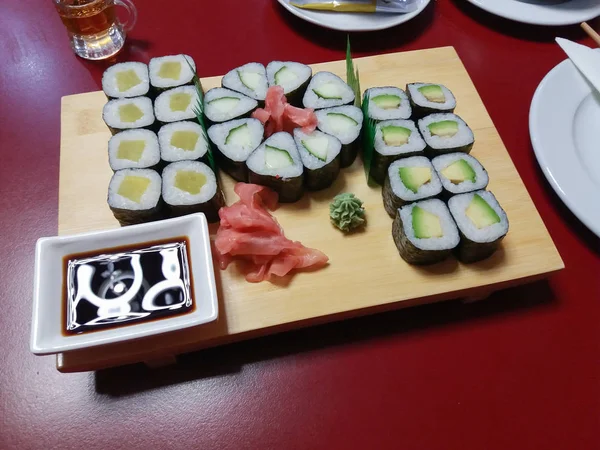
(447, 187)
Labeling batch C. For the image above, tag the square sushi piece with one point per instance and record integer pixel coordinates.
(429, 98)
(176, 104)
(445, 133)
(171, 71)
(134, 196)
(124, 80)
(127, 113)
(460, 173)
(133, 149)
(424, 232)
(181, 141)
(387, 103)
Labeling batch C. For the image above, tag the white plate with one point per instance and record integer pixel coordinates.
(563, 124)
(542, 12)
(46, 326)
(353, 21)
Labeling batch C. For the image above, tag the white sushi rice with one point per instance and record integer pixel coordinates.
(463, 136)
(302, 72)
(458, 205)
(170, 153)
(345, 135)
(109, 80)
(218, 135)
(148, 200)
(309, 160)
(185, 76)
(110, 113)
(233, 80)
(404, 111)
(214, 114)
(162, 105)
(450, 238)
(415, 141)
(175, 196)
(430, 189)
(312, 100)
(481, 176)
(150, 154)
(284, 141)
(418, 98)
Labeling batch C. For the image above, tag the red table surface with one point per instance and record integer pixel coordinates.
(520, 370)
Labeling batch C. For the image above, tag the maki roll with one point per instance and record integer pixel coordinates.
(127, 113)
(182, 141)
(326, 90)
(428, 98)
(276, 164)
(133, 149)
(445, 133)
(394, 139)
(190, 187)
(293, 77)
(233, 142)
(482, 224)
(221, 105)
(409, 180)
(124, 80)
(320, 154)
(134, 196)
(171, 71)
(345, 123)
(460, 173)
(387, 103)
(176, 104)
(424, 232)
(249, 79)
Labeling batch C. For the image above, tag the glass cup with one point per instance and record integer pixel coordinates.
(93, 26)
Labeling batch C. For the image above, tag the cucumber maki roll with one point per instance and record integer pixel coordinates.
(409, 180)
(221, 105)
(171, 71)
(345, 123)
(181, 141)
(127, 113)
(320, 154)
(176, 104)
(387, 103)
(428, 98)
(394, 139)
(326, 90)
(424, 232)
(293, 77)
(124, 80)
(190, 187)
(233, 142)
(133, 149)
(482, 224)
(460, 173)
(249, 79)
(276, 164)
(445, 133)
(134, 196)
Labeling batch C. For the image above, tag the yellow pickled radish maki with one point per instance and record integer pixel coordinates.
(134, 196)
(167, 72)
(133, 149)
(126, 80)
(176, 104)
(182, 141)
(128, 113)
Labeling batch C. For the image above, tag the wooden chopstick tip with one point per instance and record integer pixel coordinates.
(591, 33)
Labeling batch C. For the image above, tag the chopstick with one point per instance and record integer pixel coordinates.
(591, 33)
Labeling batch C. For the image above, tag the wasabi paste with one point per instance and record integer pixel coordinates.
(346, 212)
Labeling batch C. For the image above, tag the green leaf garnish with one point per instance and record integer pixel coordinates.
(368, 138)
(352, 73)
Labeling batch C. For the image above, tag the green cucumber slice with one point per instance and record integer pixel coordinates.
(277, 158)
(239, 136)
(317, 146)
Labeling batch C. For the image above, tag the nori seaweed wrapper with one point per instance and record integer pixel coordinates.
(290, 190)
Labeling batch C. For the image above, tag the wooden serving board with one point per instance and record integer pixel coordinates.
(365, 273)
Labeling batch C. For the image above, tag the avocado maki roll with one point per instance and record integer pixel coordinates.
(190, 187)
(326, 90)
(125, 80)
(409, 180)
(482, 224)
(428, 98)
(249, 79)
(171, 71)
(134, 196)
(221, 105)
(276, 164)
(445, 133)
(424, 232)
(345, 123)
(176, 104)
(460, 173)
(293, 77)
(394, 139)
(387, 103)
(233, 142)
(320, 154)
(133, 149)
(181, 141)
(127, 113)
